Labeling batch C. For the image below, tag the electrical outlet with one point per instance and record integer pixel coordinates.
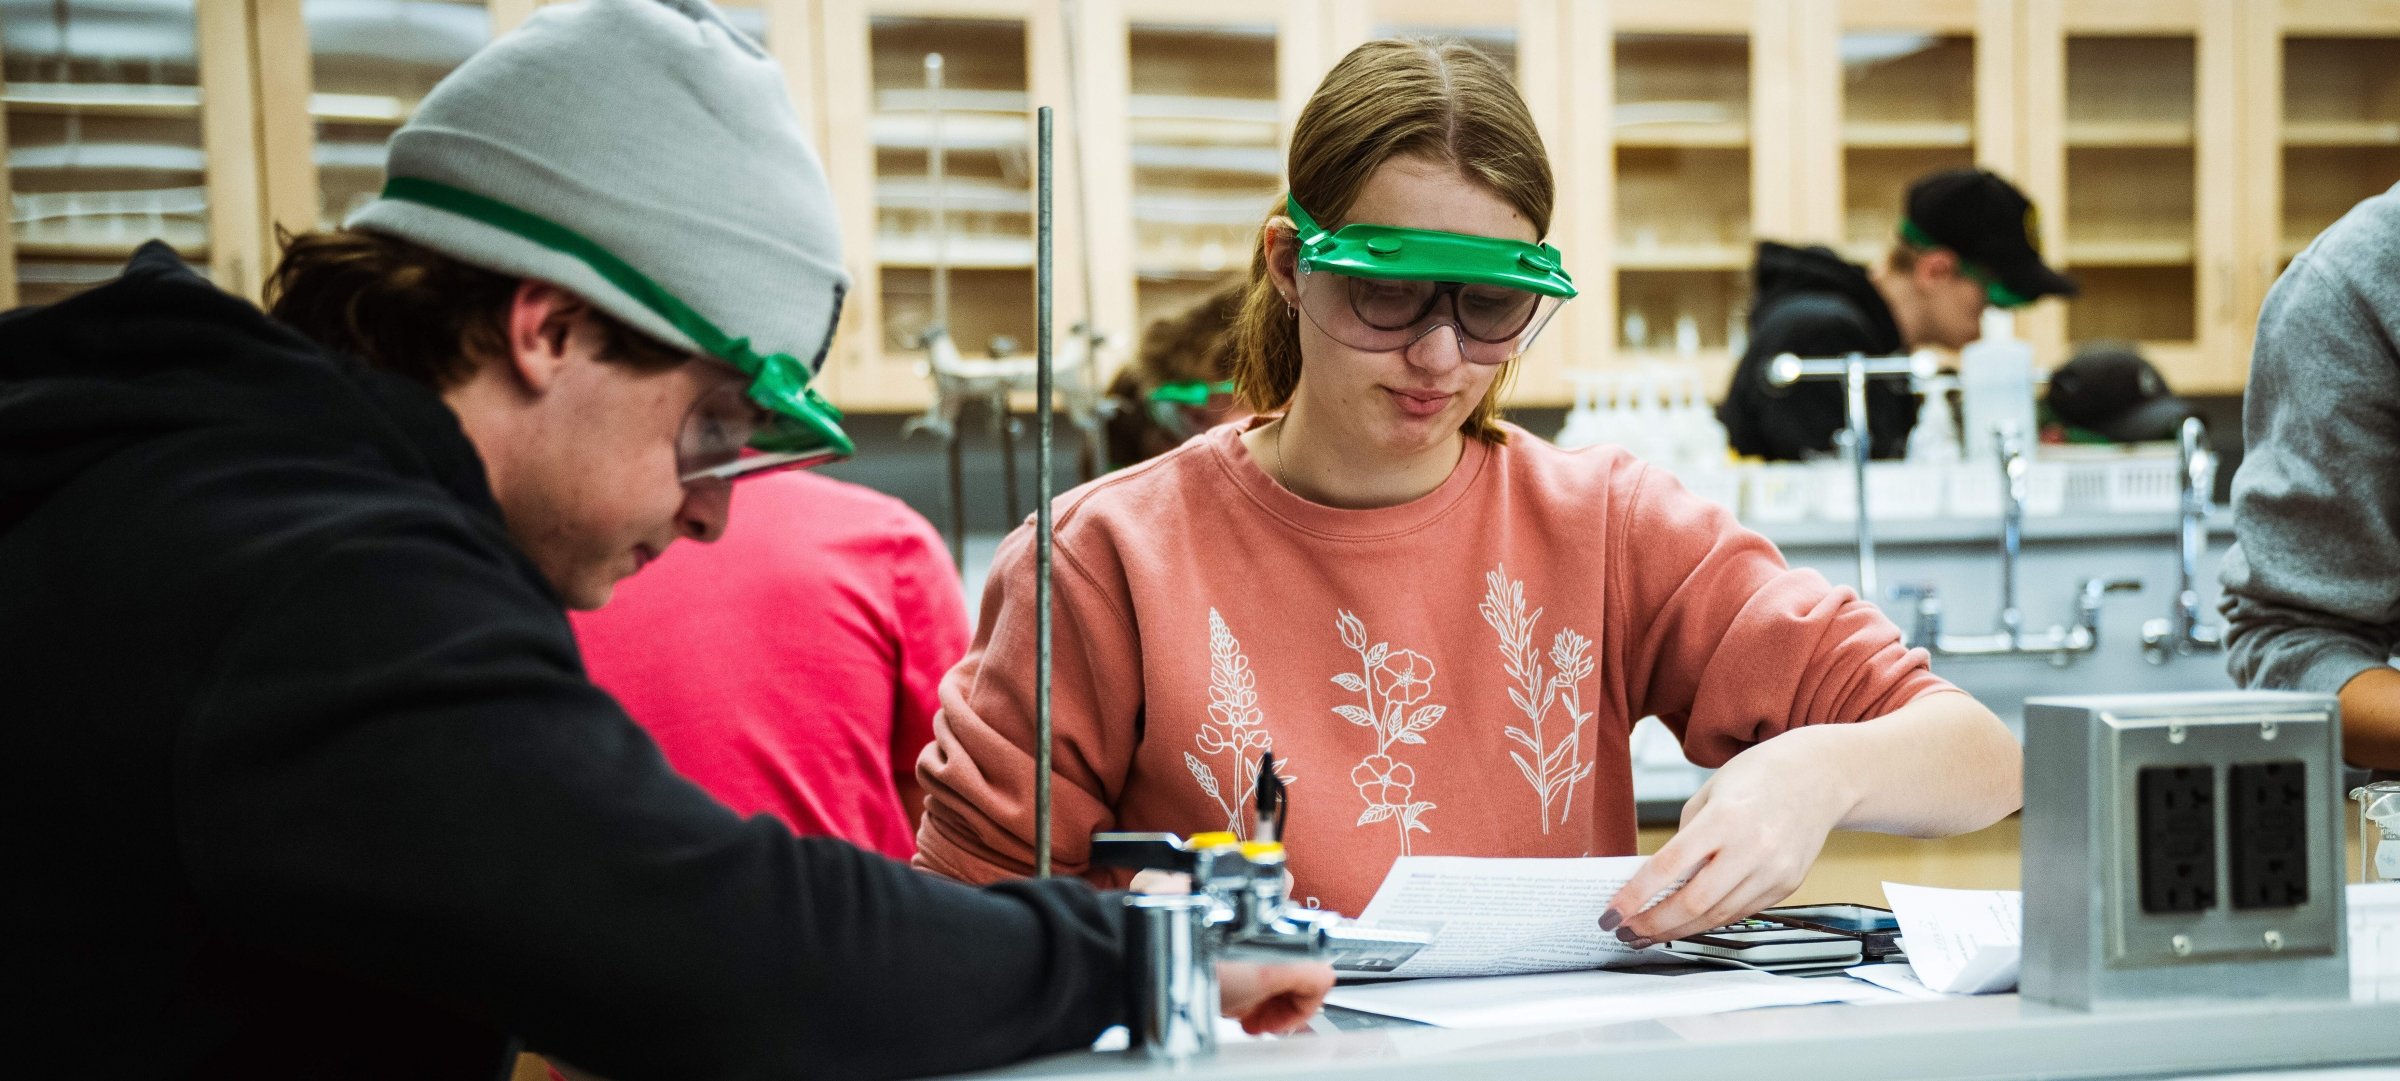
(2268, 824)
(2178, 838)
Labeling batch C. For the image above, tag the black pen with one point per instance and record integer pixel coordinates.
(1272, 803)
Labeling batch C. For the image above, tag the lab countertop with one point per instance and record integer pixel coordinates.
(1952, 530)
(1997, 1036)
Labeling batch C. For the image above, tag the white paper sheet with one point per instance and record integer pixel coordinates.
(1896, 977)
(1591, 997)
(1497, 917)
(2375, 941)
(1963, 942)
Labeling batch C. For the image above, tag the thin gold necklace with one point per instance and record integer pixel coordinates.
(1287, 485)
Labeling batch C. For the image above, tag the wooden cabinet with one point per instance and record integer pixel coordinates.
(125, 122)
(2180, 151)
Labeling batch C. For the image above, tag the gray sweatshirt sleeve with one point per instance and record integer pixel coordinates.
(2312, 586)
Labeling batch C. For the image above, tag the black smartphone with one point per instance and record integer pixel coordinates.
(1782, 946)
(1876, 930)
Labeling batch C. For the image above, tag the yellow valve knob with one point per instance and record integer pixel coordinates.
(1217, 839)
(1260, 850)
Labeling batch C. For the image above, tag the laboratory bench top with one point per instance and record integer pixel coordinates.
(1982, 1038)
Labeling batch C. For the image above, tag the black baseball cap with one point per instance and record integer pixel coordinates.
(1992, 227)
(2109, 389)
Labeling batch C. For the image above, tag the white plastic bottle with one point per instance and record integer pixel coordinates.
(1934, 441)
(1995, 379)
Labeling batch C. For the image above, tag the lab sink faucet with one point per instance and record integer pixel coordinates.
(2183, 633)
(2060, 644)
(1239, 909)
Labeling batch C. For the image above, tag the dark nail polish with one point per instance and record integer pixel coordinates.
(1609, 920)
(1641, 943)
(1626, 935)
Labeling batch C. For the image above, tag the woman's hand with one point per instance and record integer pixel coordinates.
(1747, 839)
(1273, 998)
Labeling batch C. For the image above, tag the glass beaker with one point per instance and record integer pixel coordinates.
(2378, 831)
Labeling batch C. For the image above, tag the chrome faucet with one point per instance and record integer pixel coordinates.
(2182, 632)
(1238, 910)
(1854, 371)
(2062, 643)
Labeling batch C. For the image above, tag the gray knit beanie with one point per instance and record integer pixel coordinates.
(656, 133)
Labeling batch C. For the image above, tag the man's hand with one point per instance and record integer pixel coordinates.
(1748, 838)
(1273, 998)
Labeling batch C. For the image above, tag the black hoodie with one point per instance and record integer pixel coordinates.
(1808, 302)
(304, 778)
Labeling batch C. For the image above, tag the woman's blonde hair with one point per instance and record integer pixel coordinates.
(1438, 99)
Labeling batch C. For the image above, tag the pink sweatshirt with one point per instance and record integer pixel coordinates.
(1454, 676)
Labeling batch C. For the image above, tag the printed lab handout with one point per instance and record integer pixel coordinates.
(1502, 916)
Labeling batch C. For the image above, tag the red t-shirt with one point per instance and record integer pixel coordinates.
(790, 667)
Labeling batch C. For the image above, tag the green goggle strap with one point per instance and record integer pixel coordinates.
(2000, 295)
(779, 381)
(1393, 252)
(1192, 392)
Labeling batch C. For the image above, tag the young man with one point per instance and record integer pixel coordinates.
(1966, 240)
(304, 778)
(2312, 584)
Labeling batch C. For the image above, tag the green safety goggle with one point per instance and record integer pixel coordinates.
(1380, 288)
(1999, 295)
(799, 428)
(1191, 392)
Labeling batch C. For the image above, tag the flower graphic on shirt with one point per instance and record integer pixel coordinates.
(1404, 678)
(1389, 682)
(1235, 727)
(1382, 781)
(1555, 769)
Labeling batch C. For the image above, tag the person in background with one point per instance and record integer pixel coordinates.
(2108, 393)
(1181, 384)
(1442, 627)
(2312, 583)
(1966, 240)
(789, 668)
(309, 781)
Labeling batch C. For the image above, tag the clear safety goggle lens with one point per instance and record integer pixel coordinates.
(1493, 323)
(714, 443)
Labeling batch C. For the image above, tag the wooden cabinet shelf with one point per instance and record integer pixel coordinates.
(2128, 134)
(2130, 252)
(1684, 257)
(2341, 133)
(144, 100)
(1907, 134)
(1707, 135)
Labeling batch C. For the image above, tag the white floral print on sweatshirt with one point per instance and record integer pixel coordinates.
(1236, 727)
(1392, 683)
(1555, 769)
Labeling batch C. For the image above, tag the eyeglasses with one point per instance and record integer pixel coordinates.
(1380, 287)
(719, 437)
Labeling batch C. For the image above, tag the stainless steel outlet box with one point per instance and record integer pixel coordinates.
(2089, 943)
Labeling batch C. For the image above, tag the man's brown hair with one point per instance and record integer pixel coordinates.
(413, 311)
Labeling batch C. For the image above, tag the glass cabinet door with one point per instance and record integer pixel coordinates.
(1682, 140)
(978, 221)
(2132, 192)
(1205, 150)
(2340, 127)
(1908, 109)
(371, 62)
(104, 140)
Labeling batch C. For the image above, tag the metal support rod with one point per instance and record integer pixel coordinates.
(958, 498)
(1004, 429)
(936, 168)
(1854, 380)
(1042, 539)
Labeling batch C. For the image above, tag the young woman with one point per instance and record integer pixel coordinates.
(1443, 627)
